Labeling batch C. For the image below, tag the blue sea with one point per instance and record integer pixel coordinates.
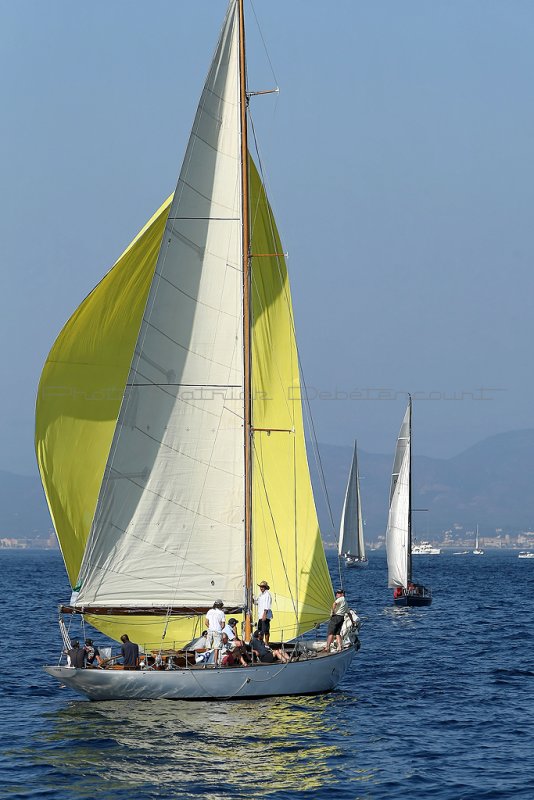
(439, 703)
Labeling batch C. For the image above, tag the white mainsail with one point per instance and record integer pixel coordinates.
(351, 529)
(398, 529)
(168, 528)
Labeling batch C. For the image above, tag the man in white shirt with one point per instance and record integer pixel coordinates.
(265, 614)
(230, 629)
(215, 621)
(340, 607)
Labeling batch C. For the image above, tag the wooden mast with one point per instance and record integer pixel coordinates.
(246, 324)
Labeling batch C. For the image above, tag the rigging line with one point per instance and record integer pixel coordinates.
(260, 468)
(289, 409)
(292, 322)
(263, 41)
(264, 524)
(295, 513)
(289, 406)
(315, 444)
(339, 571)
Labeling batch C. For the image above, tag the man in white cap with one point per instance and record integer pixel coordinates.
(265, 614)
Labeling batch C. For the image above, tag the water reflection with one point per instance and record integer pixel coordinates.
(276, 745)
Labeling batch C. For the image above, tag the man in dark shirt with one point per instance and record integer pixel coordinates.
(76, 655)
(92, 653)
(263, 653)
(130, 652)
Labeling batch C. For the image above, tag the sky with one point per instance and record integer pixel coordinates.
(399, 162)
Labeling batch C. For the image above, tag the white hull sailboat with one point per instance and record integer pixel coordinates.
(173, 462)
(477, 551)
(351, 542)
(314, 675)
(399, 529)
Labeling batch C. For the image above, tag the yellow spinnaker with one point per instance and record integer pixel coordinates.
(287, 546)
(81, 389)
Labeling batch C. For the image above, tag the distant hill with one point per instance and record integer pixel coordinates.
(491, 483)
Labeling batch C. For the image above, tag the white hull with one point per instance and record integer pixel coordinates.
(526, 555)
(313, 676)
(478, 552)
(356, 562)
(431, 551)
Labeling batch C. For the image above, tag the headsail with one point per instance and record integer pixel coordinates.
(351, 529)
(168, 528)
(398, 530)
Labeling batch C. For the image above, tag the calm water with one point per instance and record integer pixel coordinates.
(439, 703)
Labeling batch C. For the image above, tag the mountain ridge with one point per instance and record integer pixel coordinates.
(489, 483)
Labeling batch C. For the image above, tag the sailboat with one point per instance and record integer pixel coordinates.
(399, 529)
(351, 542)
(170, 437)
(477, 551)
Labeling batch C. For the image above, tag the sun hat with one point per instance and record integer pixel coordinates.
(264, 583)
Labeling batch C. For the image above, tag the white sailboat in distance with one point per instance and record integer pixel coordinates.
(399, 529)
(173, 463)
(477, 551)
(351, 545)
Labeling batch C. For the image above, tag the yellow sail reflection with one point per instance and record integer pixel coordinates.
(272, 733)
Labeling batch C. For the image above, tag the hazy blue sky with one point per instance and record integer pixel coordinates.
(399, 157)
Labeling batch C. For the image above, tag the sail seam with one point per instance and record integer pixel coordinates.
(206, 219)
(163, 388)
(207, 464)
(183, 347)
(200, 302)
(169, 500)
(190, 385)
